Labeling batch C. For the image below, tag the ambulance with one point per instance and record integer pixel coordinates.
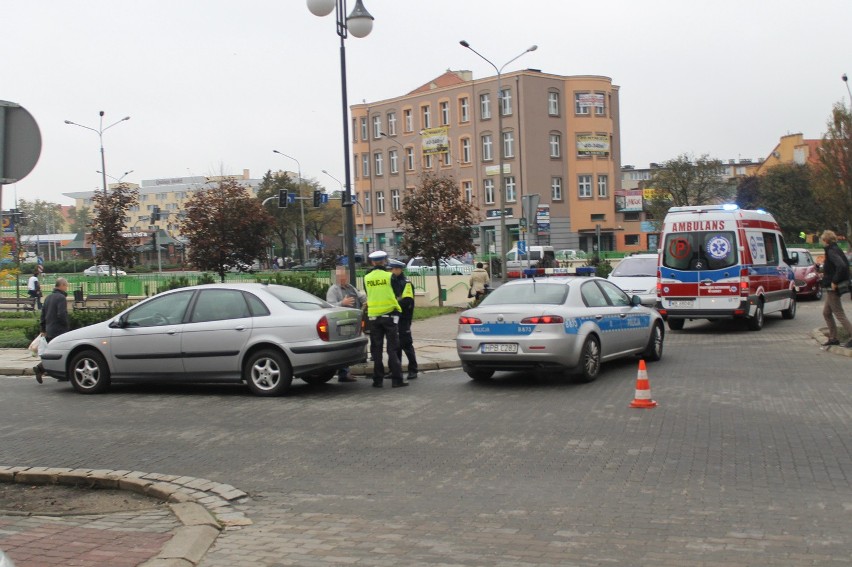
(723, 262)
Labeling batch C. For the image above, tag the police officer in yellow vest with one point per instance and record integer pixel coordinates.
(404, 291)
(383, 311)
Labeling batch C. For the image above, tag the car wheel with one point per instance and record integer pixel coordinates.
(818, 294)
(654, 350)
(268, 373)
(480, 375)
(790, 312)
(590, 360)
(755, 323)
(676, 324)
(317, 379)
(89, 372)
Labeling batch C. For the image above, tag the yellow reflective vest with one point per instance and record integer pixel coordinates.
(408, 290)
(381, 299)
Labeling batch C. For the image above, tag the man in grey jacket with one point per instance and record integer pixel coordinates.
(54, 317)
(343, 294)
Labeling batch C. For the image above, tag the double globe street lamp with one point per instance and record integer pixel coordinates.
(359, 23)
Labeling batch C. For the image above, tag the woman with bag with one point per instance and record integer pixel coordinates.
(835, 280)
(54, 318)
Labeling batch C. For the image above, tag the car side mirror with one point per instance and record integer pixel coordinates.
(635, 300)
(119, 323)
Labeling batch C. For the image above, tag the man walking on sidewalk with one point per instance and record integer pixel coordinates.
(54, 318)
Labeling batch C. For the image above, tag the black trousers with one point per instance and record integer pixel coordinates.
(382, 328)
(406, 344)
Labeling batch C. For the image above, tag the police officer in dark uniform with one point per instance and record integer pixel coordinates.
(383, 311)
(404, 291)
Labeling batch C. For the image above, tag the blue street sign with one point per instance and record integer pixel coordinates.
(291, 197)
(324, 198)
(522, 246)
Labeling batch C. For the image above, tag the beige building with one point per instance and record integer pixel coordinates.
(560, 141)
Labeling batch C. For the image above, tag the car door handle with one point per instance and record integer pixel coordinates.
(240, 328)
(707, 281)
(598, 317)
(622, 315)
(172, 332)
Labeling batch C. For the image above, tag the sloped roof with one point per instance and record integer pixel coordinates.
(448, 79)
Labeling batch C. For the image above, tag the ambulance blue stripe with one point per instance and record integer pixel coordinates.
(692, 276)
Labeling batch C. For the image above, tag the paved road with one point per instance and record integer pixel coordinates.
(746, 461)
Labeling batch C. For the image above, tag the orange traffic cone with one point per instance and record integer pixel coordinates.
(643, 389)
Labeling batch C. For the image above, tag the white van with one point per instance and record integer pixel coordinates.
(534, 255)
(723, 262)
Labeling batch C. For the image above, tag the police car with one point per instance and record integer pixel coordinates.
(560, 323)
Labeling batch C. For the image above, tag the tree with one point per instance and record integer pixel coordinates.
(226, 228)
(43, 217)
(748, 192)
(286, 222)
(81, 218)
(112, 247)
(436, 221)
(786, 192)
(686, 181)
(833, 187)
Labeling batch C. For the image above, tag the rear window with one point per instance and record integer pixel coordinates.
(700, 250)
(636, 267)
(296, 298)
(527, 294)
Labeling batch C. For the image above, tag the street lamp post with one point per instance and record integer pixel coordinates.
(117, 179)
(363, 214)
(100, 132)
(301, 202)
(499, 71)
(359, 23)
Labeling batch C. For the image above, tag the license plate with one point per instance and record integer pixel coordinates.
(682, 303)
(500, 347)
(346, 330)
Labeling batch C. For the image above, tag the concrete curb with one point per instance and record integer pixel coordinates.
(820, 337)
(203, 507)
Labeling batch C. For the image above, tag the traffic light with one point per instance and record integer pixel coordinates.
(282, 198)
(155, 213)
(317, 197)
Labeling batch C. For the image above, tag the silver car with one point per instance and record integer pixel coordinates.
(637, 275)
(261, 334)
(560, 323)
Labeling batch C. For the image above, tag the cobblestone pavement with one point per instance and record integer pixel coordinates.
(746, 461)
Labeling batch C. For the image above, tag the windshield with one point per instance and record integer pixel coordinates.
(528, 294)
(454, 262)
(699, 250)
(296, 298)
(636, 268)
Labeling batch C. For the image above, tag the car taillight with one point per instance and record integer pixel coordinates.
(469, 321)
(543, 320)
(322, 328)
(744, 283)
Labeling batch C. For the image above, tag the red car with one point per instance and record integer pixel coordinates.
(806, 273)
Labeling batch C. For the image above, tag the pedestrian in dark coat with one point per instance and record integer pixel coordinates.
(54, 317)
(835, 280)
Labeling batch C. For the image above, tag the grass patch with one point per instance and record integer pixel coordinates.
(16, 329)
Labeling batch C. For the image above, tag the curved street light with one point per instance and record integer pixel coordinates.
(117, 179)
(100, 132)
(499, 71)
(359, 23)
(301, 206)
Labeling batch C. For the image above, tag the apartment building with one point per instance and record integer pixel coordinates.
(560, 140)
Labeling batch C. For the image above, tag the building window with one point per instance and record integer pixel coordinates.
(508, 144)
(391, 124)
(631, 240)
(368, 203)
(484, 106)
(467, 189)
(364, 129)
(598, 217)
(426, 116)
(393, 158)
(409, 122)
(581, 103)
(553, 103)
(365, 166)
(395, 199)
(506, 102)
(446, 158)
(600, 104)
(409, 159)
(355, 161)
(354, 129)
(464, 110)
(380, 202)
(556, 188)
(632, 216)
(445, 113)
(377, 127)
(489, 191)
(603, 186)
(427, 161)
(584, 186)
(486, 148)
(465, 150)
(555, 144)
(379, 161)
(511, 195)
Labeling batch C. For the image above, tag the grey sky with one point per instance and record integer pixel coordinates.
(215, 85)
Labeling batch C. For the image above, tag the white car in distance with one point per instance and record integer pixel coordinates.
(103, 270)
